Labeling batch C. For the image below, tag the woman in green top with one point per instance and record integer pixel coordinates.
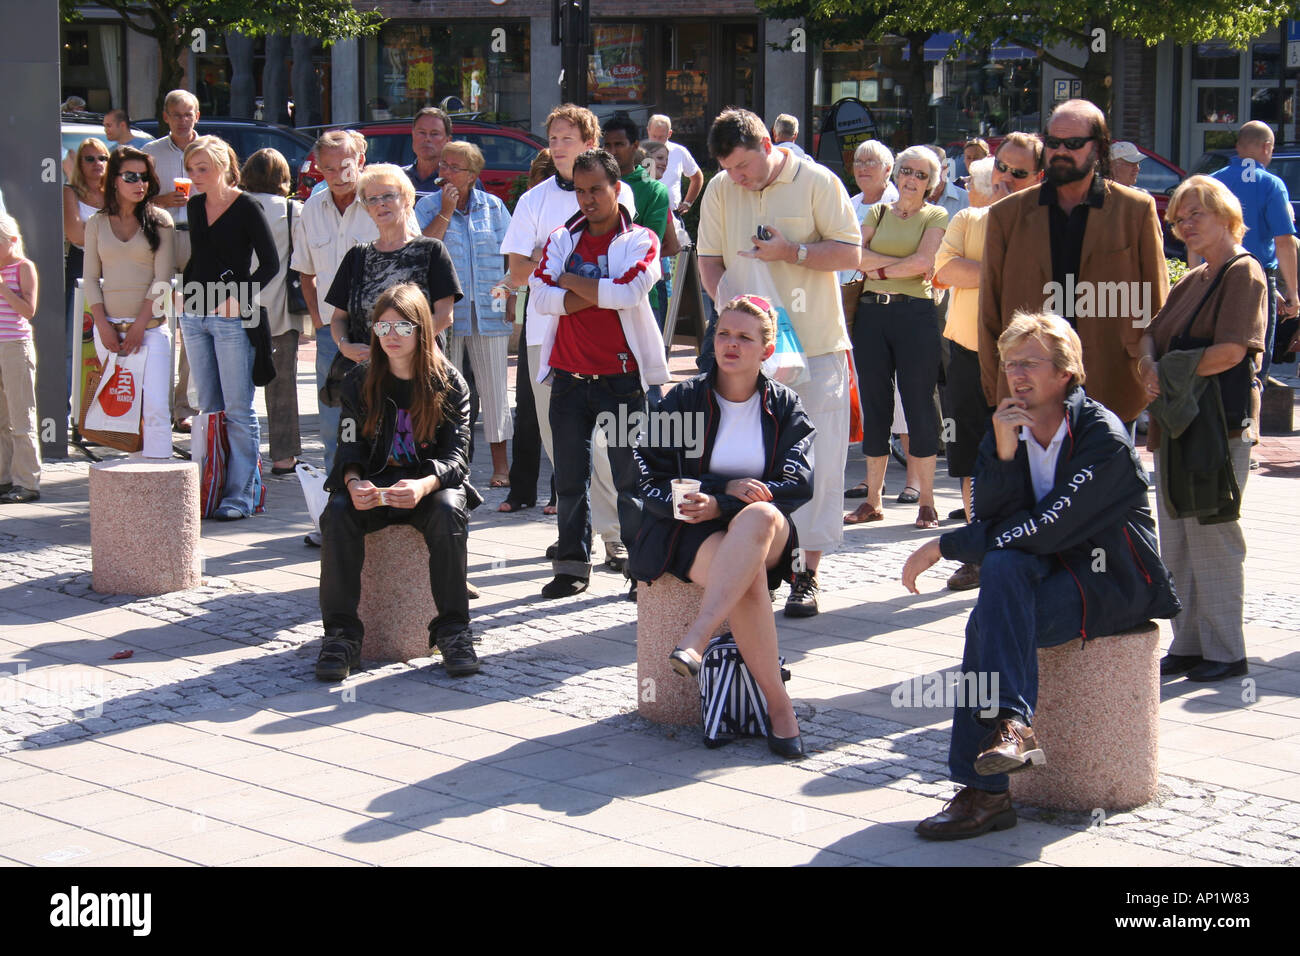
(896, 330)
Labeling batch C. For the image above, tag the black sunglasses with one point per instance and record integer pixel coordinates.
(131, 176)
(1004, 168)
(1069, 142)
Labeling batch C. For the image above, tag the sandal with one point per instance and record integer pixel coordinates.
(909, 495)
(499, 481)
(927, 517)
(508, 506)
(857, 491)
(550, 509)
(863, 514)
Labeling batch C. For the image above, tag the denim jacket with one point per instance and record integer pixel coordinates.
(473, 240)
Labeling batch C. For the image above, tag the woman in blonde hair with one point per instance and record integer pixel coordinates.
(735, 537)
(407, 462)
(1211, 328)
(227, 228)
(83, 196)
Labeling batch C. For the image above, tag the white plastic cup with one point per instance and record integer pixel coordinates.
(681, 488)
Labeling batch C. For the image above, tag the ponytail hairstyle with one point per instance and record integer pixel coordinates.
(429, 376)
(147, 214)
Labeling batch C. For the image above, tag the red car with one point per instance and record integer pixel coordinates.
(507, 151)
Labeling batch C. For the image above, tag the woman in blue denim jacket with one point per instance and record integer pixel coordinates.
(472, 224)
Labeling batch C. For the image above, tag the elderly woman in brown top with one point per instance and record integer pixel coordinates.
(1218, 307)
(130, 258)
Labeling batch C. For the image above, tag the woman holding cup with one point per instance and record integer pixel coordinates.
(718, 514)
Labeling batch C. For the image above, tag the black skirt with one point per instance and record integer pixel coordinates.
(691, 536)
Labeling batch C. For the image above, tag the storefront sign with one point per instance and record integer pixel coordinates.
(1293, 43)
(848, 124)
(617, 68)
(1063, 90)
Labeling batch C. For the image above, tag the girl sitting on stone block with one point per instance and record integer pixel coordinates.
(402, 457)
(734, 536)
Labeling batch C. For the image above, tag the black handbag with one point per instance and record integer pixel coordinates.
(295, 301)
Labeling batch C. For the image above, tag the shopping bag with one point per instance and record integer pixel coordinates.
(211, 449)
(312, 480)
(855, 403)
(110, 413)
(788, 364)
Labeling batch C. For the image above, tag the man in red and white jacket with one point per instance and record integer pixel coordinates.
(603, 351)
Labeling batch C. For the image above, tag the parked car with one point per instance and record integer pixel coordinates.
(507, 151)
(1285, 165)
(247, 136)
(74, 131)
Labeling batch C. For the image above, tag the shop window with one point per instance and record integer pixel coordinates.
(1265, 61)
(618, 67)
(1217, 104)
(1215, 61)
(470, 65)
(1264, 102)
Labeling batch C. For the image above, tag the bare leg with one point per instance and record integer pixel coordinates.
(752, 542)
(965, 496)
(754, 628)
(925, 479)
(876, 479)
(913, 474)
(500, 463)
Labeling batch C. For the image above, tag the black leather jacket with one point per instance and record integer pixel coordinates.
(787, 440)
(447, 456)
(1096, 519)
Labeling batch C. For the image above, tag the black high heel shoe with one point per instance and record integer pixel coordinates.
(791, 748)
(683, 663)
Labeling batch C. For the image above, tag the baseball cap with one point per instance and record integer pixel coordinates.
(1123, 149)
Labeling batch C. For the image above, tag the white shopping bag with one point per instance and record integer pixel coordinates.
(312, 480)
(117, 403)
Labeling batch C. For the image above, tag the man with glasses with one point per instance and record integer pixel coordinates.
(1082, 246)
(181, 114)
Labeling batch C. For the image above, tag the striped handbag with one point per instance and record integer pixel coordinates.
(733, 705)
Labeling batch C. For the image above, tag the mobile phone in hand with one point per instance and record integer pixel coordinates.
(762, 232)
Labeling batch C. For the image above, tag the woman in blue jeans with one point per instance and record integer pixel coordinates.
(226, 228)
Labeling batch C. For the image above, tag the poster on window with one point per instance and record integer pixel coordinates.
(472, 71)
(419, 74)
(617, 73)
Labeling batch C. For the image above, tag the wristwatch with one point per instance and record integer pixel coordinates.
(802, 255)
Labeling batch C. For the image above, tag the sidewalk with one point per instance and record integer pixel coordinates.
(212, 743)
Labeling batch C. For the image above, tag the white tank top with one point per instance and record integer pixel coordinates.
(738, 450)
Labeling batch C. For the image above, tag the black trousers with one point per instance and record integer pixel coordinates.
(443, 520)
(900, 338)
(526, 450)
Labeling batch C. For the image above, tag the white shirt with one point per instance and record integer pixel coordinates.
(169, 163)
(793, 147)
(954, 199)
(322, 236)
(539, 212)
(738, 448)
(680, 163)
(1042, 461)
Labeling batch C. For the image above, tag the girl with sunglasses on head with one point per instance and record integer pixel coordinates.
(735, 537)
(402, 457)
(130, 258)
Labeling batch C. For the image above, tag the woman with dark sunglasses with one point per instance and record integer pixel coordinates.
(402, 458)
(130, 258)
(734, 537)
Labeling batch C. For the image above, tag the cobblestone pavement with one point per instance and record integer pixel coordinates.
(239, 651)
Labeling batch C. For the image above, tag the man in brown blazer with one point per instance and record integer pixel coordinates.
(1080, 246)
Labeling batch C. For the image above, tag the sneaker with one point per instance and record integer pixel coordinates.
(228, 513)
(17, 495)
(802, 601)
(339, 656)
(311, 539)
(615, 556)
(458, 655)
(564, 585)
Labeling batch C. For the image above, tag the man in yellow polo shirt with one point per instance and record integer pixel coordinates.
(811, 233)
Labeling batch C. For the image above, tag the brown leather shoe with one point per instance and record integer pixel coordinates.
(969, 814)
(965, 578)
(1010, 747)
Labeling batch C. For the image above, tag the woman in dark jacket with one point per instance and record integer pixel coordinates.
(406, 413)
(734, 537)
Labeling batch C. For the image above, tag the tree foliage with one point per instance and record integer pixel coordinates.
(173, 24)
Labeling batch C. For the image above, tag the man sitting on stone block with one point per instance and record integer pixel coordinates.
(1063, 529)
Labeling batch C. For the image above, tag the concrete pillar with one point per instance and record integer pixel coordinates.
(141, 75)
(275, 80)
(545, 70)
(240, 49)
(345, 83)
(306, 91)
(784, 74)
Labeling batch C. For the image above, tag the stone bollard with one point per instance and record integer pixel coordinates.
(396, 606)
(1277, 410)
(1098, 722)
(664, 610)
(144, 526)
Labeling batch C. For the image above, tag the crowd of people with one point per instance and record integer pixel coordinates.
(1018, 322)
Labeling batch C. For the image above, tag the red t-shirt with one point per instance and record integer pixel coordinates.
(590, 342)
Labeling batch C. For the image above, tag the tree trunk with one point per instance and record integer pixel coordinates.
(240, 49)
(1098, 69)
(305, 83)
(275, 90)
(918, 99)
(170, 72)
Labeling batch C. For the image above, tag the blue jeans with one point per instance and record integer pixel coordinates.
(575, 405)
(221, 366)
(1003, 635)
(326, 349)
(1266, 359)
